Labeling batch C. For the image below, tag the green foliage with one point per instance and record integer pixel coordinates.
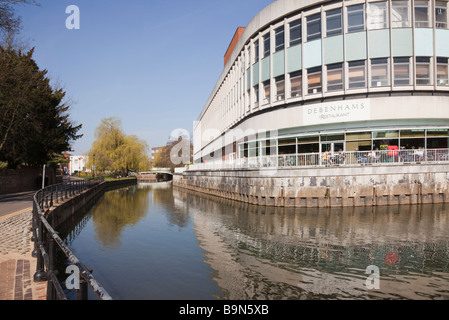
(34, 123)
(115, 151)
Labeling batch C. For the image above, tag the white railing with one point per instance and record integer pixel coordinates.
(373, 157)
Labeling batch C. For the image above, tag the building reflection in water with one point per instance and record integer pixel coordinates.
(286, 253)
(160, 242)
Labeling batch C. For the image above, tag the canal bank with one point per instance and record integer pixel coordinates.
(368, 185)
(62, 212)
(17, 263)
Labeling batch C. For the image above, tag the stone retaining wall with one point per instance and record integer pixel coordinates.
(61, 213)
(324, 187)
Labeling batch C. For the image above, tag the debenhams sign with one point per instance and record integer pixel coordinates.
(336, 111)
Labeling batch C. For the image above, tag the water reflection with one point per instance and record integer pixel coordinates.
(160, 242)
(117, 210)
(286, 253)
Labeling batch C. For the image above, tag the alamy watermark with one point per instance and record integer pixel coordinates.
(73, 20)
(373, 280)
(73, 280)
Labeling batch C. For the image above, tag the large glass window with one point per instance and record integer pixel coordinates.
(266, 45)
(401, 71)
(279, 38)
(356, 18)
(423, 71)
(287, 146)
(280, 88)
(314, 27)
(441, 14)
(333, 22)
(314, 80)
(442, 72)
(383, 139)
(379, 72)
(335, 77)
(295, 32)
(308, 144)
(422, 14)
(296, 84)
(356, 74)
(377, 15)
(437, 138)
(400, 14)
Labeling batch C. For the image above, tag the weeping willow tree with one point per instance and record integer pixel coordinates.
(116, 152)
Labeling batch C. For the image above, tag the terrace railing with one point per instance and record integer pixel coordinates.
(323, 159)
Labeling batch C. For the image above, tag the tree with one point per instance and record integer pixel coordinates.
(10, 25)
(34, 120)
(176, 153)
(115, 151)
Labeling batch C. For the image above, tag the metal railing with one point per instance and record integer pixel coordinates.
(326, 159)
(46, 240)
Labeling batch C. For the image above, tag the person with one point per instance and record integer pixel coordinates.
(360, 156)
(326, 158)
(372, 156)
(419, 154)
(341, 157)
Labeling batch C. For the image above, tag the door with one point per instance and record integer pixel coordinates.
(333, 147)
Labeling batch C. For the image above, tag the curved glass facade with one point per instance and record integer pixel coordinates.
(334, 51)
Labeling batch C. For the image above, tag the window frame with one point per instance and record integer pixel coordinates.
(354, 10)
(442, 62)
(266, 85)
(311, 72)
(380, 64)
(266, 44)
(296, 76)
(294, 25)
(422, 23)
(279, 46)
(279, 95)
(256, 51)
(399, 80)
(334, 69)
(382, 14)
(315, 21)
(441, 24)
(395, 7)
(356, 66)
(423, 62)
(333, 14)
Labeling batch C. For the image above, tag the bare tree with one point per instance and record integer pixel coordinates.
(10, 24)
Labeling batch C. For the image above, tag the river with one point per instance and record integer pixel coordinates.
(161, 242)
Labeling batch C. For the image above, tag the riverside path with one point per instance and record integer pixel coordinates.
(17, 265)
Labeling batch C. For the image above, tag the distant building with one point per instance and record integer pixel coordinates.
(78, 164)
(155, 151)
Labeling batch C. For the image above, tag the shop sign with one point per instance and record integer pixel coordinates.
(337, 111)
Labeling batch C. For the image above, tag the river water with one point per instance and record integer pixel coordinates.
(161, 242)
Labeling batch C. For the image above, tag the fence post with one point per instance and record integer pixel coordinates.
(51, 269)
(34, 235)
(40, 274)
(81, 293)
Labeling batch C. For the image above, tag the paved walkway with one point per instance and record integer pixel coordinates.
(17, 266)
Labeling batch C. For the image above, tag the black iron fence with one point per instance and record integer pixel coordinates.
(46, 243)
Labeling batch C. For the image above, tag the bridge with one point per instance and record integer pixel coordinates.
(154, 176)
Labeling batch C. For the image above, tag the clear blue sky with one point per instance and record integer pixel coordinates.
(150, 63)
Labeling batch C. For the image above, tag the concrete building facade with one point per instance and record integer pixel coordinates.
(308, 77)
